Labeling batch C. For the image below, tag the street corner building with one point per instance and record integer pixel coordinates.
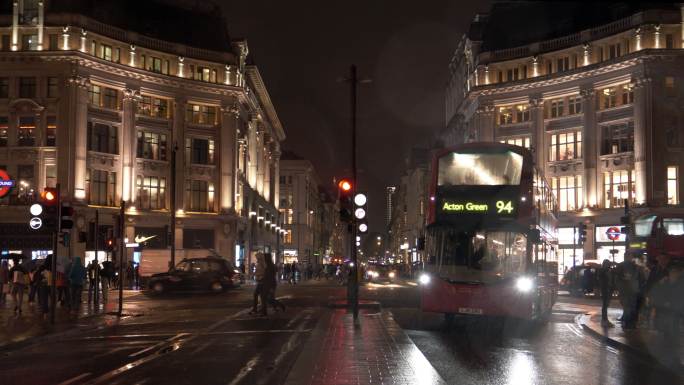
(595, 91)
(105, 97)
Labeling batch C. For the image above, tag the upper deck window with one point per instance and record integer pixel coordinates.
(462, 169)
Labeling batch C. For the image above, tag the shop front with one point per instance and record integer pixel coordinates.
(569, 252)
(610, 243)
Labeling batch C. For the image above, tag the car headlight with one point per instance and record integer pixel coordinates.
(391, 274)
(524, 284)
(424, 279)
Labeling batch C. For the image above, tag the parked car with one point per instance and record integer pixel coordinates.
(197, 274)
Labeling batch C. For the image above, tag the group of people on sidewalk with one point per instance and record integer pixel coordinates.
(652, 296)
(36, 277)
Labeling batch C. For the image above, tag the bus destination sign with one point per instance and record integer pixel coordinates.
(499, 207)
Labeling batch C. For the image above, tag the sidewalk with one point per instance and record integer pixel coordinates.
(377, 351)
(31, 327)
(643, 342)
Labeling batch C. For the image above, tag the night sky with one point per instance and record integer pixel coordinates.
(303, 50)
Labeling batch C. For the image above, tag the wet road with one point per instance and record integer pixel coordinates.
(210, 339)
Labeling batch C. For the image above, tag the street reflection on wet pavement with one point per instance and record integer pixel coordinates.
(210, 339)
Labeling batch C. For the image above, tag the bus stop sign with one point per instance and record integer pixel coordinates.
(613, 233)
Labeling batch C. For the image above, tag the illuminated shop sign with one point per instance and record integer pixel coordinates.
(6, 183)
(503, 207)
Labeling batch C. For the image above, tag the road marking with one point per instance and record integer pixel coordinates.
(74, 379)
(158, 344)
(105, 378)
(246, 369)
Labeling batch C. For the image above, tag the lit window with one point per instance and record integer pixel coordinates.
(568, 191)
(566, 146)
(672, 186)
(523, 141)
(151, 192)
(627, 94)
(608, 98)
(618, 186)
(618, 138)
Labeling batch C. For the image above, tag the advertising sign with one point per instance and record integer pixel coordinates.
(6, 183)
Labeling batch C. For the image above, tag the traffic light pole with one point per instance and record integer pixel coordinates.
(173, 206)
(97, 261)
(354, 277)
(122, 254)
(53, 291)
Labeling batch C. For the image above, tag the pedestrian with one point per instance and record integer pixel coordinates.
(271, 283)
(260, 289)
(92, 272)
(629, 276)
(76, 275)
(669, 311)
(4, 282)
(294, 270)
(19, 277)
(106, 275)
(309, 271)
(287, 269)
(33, 289)
(606, 283)
(43, 281)
(62, 283)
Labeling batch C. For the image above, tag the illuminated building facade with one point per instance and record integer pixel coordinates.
(100, 108)
(596, 96)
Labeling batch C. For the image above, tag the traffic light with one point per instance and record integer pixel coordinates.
(64, 238)
(109, 240)
(360, 212)
(66, 214)
(582, 233)
(344, 190)
(49, 200)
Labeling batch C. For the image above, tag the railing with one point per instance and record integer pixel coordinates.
(616, 26)
(561, 42)
(511, 53)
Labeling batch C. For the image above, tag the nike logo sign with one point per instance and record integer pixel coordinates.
(139, 239)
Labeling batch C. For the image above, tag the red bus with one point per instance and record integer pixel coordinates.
(490, 235)
(658, 232)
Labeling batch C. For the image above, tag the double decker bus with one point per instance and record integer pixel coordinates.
(658, 232)
(490, 235)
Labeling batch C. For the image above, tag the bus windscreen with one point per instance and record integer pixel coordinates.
(490, 169)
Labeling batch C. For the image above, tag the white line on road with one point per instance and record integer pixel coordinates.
(246, 369)
(75, 379)
(107, 377)
(158, 344)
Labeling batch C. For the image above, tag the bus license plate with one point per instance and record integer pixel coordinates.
(469, 310)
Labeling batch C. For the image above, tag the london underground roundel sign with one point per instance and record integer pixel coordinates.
(6, 183)
(613, 233)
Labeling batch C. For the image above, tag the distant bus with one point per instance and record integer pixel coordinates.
(658, 232)
(491, 235)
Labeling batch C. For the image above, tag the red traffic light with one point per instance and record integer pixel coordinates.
(344, 185)
(49, 196)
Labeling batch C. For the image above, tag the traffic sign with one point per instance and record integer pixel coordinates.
(613, 233)
(36, 223)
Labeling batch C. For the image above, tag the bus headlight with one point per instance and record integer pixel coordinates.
(391, 274)
(424, 279)
(524, 284)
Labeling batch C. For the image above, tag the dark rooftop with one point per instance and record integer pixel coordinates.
(516, 23)
(196, 23)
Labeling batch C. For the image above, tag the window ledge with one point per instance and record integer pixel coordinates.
(563, 117)
(104, 109)
(616, 108)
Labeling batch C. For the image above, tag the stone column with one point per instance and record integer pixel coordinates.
(179, 142)
(590, 151)
(267, 171)
(128, 145)
(41, 20)
(78, 130)
(252, 151)
(15, 25)
(276, 176)
(227, 151)
(643, 120)
(537, 141)
(261, 160)
(485, 123)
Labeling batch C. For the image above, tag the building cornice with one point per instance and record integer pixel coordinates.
(265, 100)
(628, 61)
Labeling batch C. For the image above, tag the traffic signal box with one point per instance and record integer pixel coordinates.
(344, 191)
(582, 233)
(49, 199)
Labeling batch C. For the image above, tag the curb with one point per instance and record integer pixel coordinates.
(362, 305)
(614, 343)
